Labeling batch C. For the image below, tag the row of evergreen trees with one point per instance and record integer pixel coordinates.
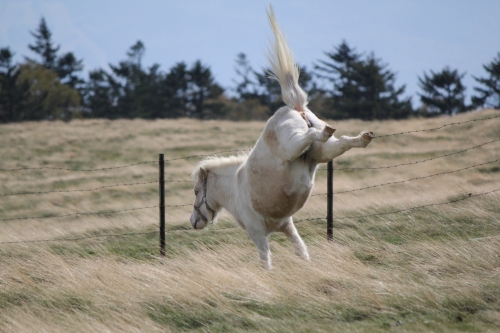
(345, 84)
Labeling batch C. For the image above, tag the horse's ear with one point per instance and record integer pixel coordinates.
(202, 175)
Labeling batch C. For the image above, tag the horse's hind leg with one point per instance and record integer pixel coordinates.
(295, 142)
(299, 246)
(336, 147)
(260, 239)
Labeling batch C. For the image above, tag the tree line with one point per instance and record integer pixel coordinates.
(343, 84)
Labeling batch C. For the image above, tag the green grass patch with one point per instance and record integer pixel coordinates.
(367, 258)
(247, 314)
(197, 316)
(68, 184)
(121, 242)
(121, 139)
(64, 302)
(431, 223)
(494, 169)
(144, 244)
(77, 165)
(105, 155)
(48, 150)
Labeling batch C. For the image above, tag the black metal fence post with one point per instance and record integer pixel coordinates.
(162, 205)
(329, 201)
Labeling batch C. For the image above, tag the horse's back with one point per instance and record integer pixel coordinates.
(277, 132)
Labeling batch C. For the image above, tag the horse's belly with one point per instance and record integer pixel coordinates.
(277, 201)
(283, 207)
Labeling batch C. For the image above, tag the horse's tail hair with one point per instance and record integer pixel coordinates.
(284, 69)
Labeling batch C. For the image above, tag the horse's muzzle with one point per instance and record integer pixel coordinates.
(197, 223)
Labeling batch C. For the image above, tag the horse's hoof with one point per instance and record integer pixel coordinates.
(329, 130)
(368, 136)
(267, 266)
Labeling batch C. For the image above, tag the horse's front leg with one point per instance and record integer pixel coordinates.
(291, 233)
(260, 240)
(335, 147)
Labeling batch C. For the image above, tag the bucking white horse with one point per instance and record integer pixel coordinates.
(262, 190)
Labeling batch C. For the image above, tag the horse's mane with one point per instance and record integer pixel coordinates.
(213, 163)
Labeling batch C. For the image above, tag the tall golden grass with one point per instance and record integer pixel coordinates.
(431, 269)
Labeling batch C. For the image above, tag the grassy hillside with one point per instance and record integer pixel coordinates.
(434, 268)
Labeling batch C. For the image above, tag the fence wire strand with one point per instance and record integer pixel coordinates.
(82, 170)
(409, 180)
(75, 214)
(437, 128)
(204, 155)
(85, 190)
(125, 166)
(415, 162)
(89, 213)
(469, 196)
(80, 238)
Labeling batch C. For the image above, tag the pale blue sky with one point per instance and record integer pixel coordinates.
(411, 36)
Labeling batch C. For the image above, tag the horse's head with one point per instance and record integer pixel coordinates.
(203, 213)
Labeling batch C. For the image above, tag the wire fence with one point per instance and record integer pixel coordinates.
(466, 197)
(108, 212)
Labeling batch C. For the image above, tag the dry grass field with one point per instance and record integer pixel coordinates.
(430, 269)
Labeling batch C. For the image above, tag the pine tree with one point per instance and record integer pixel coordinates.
(360, 88)
(44, 45)
(378, 98)
(443, 92)
(12, 93)
(341, 95)
(177, 85)
(192, 91)
(136, 53)
(137, 93)
(489, 91)
(340, 63)
(67, 67)
(98, 98)
(339, 72)
(245, 86)
(202, 87)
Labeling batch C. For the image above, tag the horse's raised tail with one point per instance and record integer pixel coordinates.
(285, 70)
